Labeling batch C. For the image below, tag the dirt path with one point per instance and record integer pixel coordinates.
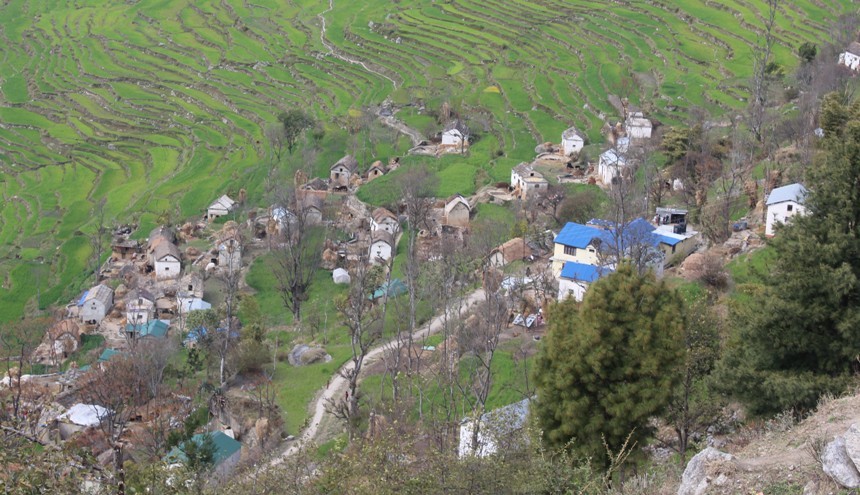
(334, 53)
(338, 383)
(400, 127)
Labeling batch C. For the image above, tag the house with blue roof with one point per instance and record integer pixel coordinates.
(782, 204)
(575, 278)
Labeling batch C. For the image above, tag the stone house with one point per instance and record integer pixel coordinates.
(526, 181)
(342, 171)
(457, 211)
(139, 307)
(851, 57)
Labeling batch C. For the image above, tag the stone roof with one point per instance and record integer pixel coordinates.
(382, 235)
(455, 200)
(570, 133)
(514, 249)
(349, 162)
(165, 248)
(854, 48)
(380, 214)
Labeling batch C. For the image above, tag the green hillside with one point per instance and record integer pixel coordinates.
(157, 106)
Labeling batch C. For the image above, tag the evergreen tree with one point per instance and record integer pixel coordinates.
(609, 365)
(798, 336)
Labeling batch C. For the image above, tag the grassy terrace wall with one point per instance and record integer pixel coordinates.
(157, 105)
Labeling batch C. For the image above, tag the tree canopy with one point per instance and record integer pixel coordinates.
(609, 365)
(798, 335)
(295, 122)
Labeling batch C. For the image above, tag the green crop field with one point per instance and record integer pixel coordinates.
(158, 106)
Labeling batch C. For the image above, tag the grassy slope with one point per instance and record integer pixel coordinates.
(157, 105)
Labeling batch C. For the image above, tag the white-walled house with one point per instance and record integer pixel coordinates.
(851, 57)
(95, 304)
(383, 219)
(525, 181)
(499, 430)
(381, 246)
(637, 126)
(571, 141)
(139, 307)
(166, 261)
(782, 204)
(611, 166)
(575, 278)
(220, 207)
(452, 137)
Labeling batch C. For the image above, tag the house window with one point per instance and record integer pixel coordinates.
(590, 250)
(570, 250)
(673, 249)
(537, 186)
(789, 207)
(167, 268)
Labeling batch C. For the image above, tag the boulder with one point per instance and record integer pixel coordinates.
(852, 444)
(303, 354)
(837, 464)
(699, 474)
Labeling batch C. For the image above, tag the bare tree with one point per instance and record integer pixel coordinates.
(478, 341)
(297, 252)
(274, 133)
(118, 391)
(97, 238)
(230, 246)
(363, 320)
(729, 186)
(762, 54)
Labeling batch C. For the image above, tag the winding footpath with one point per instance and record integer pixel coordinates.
(331, 49)
(338, 383)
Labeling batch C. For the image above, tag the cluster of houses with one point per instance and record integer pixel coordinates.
(584, 253)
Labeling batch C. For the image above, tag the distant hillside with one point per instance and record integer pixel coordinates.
(157, 106)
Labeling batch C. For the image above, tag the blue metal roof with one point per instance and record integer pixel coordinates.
(578, 235)
(583, 272)
(791, 192)
(83, 297)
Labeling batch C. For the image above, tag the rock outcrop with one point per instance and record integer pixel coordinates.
(837, 462)
(704, 470)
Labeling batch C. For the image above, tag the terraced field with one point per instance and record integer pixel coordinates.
(157, 106)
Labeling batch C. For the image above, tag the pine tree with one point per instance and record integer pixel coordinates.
(799, 334)
(608, 366)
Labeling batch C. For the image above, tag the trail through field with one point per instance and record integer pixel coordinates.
(400, 127)
(331, 49)
(338, 383)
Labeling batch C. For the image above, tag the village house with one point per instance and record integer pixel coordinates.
(376, 170)
(95, 303)
(611, 166)
(61, 340)
(191, 285)
(575, 278)
(156, 329)
(637, 126)
(577, 243)
(782, 204)
(313, 205)
(187, 305)
(139, 306)
(79, 417)
(457, 211)
(499, 430)
(513, 250)
(851, 57)
(383, 219)
(164, 256)
(676, 239)
(572, 142)
(220, 207)
(525, 181)
(381, 246)
(342, 171)
(225, 458)
(452, 137)
(124, 249)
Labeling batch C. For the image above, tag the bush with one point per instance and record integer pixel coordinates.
(250, 356)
